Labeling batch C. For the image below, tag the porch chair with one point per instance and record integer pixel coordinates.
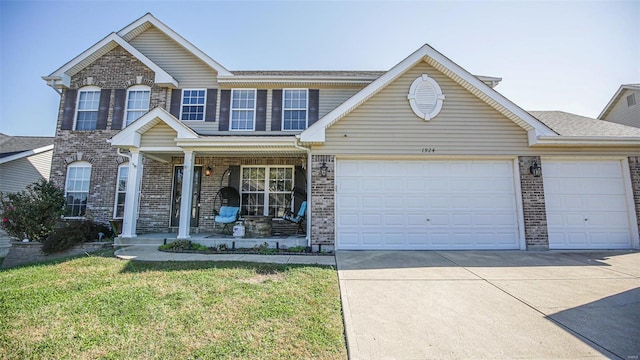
(228, 215)
(296, 218)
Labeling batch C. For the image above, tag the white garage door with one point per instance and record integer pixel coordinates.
(586, 205)
(425, 205)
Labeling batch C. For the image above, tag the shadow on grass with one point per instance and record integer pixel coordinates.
(106, 253)
(259, 268)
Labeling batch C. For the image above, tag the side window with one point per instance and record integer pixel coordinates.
(121, 191)
(243, 109)
(294, 109)
(137, 103)
(87, 108)
(193, 104)
(77, 188)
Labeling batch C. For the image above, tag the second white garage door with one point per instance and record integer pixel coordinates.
(430, 205)
(587, 205)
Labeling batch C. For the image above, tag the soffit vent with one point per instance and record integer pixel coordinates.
(425, 97)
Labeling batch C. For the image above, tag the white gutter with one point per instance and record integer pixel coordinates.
(309, 164)
(51, 81)
(585, 141)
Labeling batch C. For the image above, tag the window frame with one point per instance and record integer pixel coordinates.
(87, 89)
(284, 109)
(204, 104)
(124, 165)
(74, 165)
(135, 88)
(266, 192)
(232, 109)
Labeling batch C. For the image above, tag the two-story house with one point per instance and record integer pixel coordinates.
(422, 156)
(624, 106)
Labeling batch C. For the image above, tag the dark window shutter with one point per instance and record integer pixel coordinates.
(119, 100)
(212, 98)
(103, 109)
(176, 101)
(69, 109)
(300, 187)
(225, 109)
(314, 99)
(234, 177)
(261, 110)
(276, 110)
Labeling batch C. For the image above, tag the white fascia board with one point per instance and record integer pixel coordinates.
(586, 141)
(25, 154)
(316, 132)
(222, 71)
(162, 78)
(241, 79)
(615, 99)
(491, 93)
(237, 141)
(132, 134)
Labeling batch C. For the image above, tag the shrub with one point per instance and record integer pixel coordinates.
(184, 245)
(33, 212)
(74, 232)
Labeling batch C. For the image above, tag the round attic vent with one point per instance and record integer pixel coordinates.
(425, 97)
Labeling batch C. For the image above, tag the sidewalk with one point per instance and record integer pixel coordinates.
(151, 253)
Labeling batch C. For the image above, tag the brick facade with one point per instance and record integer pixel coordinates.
(115, 70)
(533, 206)
(634, 170)
(323, 201)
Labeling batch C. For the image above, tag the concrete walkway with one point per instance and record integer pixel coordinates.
(490, 305)
(151, 253)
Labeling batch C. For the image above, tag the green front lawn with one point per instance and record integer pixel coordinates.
(102, 307)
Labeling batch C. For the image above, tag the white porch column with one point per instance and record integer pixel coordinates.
(186, 198)
(132, 198)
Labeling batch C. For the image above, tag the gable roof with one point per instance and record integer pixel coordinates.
(132, 134)
(62, 76)
(567, 124)
(316, 132)
(10, 145)
(617, 97)
(135, 28)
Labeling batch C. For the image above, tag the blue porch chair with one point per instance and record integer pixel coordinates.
(228, 215)
(297, 218)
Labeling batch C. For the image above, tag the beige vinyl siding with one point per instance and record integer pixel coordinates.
(185, 67)
(330, 99)
(623, 114)
(160, 135)
(16, 175)
(385, 125)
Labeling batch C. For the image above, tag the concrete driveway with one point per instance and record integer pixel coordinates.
(490, 304)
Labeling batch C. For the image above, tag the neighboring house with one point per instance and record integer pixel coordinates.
(23, 161)
(422, 156)
(624, 106)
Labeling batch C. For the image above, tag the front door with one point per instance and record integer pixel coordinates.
(177, 196)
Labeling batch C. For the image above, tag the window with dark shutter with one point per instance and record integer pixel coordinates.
(276, 110)
(119, 99)
(225, 107)
(103, 109)
(212, 99)
(176, 97)
(69, 109)
(261, 110)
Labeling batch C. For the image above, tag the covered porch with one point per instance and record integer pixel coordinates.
(264, 175)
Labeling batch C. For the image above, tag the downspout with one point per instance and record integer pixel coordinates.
(308, 151)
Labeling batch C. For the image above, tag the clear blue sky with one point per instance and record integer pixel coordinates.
(569, 56)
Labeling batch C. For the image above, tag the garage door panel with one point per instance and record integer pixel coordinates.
(586, 204)
(427, 204)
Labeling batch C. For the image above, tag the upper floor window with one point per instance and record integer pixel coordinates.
(193, 102)
(77, 188)
(121, 191)
(294, 109)
(137, 102)
(87, 110)
(243, 109)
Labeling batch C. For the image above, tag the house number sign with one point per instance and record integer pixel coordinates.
(428, 150)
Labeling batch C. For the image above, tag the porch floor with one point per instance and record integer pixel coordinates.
(213, 239)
